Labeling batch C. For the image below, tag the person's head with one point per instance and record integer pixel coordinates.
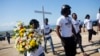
(46, 21)
(99, 10)
(74, 16)
(6, 32)
(87, 16)
(65, 10)
(34, 23)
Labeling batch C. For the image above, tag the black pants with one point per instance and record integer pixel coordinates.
(90, 32)
(8, 39)
(79, 41)
(69, 45)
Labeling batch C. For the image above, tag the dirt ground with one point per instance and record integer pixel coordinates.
(90, 48)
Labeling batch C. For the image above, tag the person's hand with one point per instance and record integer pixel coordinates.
(83, 30)
(46, 33)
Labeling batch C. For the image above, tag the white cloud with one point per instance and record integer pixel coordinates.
(7, 26)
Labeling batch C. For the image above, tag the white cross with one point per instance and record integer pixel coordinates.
(43, 12)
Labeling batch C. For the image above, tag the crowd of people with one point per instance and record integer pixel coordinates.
(68, 30)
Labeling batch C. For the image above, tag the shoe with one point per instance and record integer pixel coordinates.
(84, 54)
(46, 51)
(90, 41)
(54, 53)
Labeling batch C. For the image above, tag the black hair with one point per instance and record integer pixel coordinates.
(46, 19)
(74, 14)
(87, 16)
(65, 9)
(35, 22)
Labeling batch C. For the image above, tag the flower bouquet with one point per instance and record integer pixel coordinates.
(26, 38)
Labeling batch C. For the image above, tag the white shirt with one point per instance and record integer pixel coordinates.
(88, 24)
(98, 17)
(37, 52)
(76, 25)
(46, 29)
(65, 26)
(38, 30)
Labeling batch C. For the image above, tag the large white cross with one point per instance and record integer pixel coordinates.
(43, 12)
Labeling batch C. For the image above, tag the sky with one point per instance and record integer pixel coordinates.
(12, 11)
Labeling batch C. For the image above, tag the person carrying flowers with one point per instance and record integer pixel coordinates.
(28, 39)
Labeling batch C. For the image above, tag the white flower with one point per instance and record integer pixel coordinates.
(18, 28)
(25, 34)
(30, 30)
(17, 34)
(15, 29)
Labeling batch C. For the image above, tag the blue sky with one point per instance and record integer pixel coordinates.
(12, 11)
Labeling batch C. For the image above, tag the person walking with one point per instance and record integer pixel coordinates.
(8, 37)
(47, 37)
(89, 27)
(77, 26)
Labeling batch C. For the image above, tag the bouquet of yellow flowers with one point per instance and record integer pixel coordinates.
(26, 38)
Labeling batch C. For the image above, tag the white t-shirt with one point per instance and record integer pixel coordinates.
(76, 25)
(65, 26)
(98, 17)
(37, 52)
(46, 29)
(88, 24)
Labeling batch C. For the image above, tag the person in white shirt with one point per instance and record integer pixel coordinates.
(89, 27)
(47, 37)
(39, 52)
(65, 31)
(98, 20)
(77, 26)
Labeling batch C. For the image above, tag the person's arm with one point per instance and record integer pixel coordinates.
(73, 30)
(42, 31)
(97, 18)
(46, 33)
(80, 26)
(50, 31)
(83, 27)
(58, 31)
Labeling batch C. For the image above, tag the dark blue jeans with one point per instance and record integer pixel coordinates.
(42, 54)
(51, 43)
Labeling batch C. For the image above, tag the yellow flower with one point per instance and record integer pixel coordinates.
(32, 43)
(30, 35)
(22, 30)
(21, 49)
(21, 34)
